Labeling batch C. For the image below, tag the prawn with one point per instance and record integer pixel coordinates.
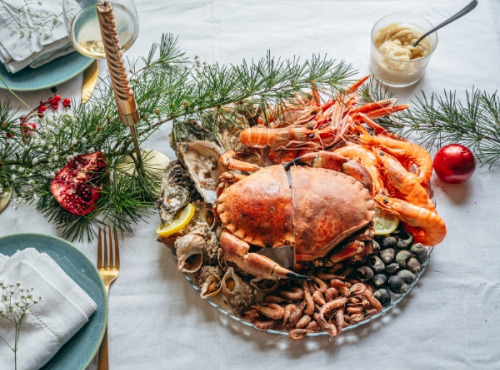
(408, 153)
(425, 225)
(405, 182)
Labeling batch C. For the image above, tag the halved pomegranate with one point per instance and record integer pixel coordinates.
(73, 187)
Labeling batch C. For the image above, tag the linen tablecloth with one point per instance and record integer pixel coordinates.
(452, 317)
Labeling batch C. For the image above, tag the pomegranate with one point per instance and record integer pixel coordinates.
(73, 186)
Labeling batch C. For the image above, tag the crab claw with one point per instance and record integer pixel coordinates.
(237, 251)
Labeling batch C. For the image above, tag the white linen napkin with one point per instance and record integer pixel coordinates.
(32, 33)
(62, 311)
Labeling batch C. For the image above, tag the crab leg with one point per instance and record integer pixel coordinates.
(237, 251)
(231, 161)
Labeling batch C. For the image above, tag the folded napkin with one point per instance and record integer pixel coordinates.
(32, 33)
(62, 311)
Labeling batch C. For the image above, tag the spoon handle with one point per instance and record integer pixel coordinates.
(461, 13)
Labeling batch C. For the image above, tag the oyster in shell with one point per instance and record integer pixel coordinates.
(177, 189)
(201, 159)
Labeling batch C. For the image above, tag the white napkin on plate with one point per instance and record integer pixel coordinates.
(64, 308)
(33, 36)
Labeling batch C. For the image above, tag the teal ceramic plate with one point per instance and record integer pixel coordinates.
(49, 75)
(81, 349)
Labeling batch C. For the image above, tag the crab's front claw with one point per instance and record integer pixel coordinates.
(237, 251)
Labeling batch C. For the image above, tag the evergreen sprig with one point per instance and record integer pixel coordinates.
(168, 87)
(197, 97)
(437, 120)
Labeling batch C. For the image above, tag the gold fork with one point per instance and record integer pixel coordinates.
(108, 264)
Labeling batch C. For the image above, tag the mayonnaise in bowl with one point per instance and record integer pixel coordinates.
(394, 60)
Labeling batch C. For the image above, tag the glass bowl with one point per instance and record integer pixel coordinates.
(393, 61)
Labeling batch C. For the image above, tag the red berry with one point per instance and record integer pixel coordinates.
(66, 103)
(41, 108)
(55, 106)
(57, 98)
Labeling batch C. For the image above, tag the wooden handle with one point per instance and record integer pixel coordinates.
(125, 101)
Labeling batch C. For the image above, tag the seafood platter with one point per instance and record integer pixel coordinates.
(308, 219)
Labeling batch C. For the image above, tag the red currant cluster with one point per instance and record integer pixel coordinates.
(28, 128)
(54, 102)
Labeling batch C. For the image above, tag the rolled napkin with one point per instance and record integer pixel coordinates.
(62, 311)
(32, 33)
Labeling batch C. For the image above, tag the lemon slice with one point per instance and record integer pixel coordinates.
(385, 223)
(179, 222)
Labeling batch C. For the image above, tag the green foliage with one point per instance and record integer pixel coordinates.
(168, 87)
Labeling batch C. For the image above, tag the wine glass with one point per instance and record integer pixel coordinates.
(80, 17)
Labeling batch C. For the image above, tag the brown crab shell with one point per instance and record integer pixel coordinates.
(313, 212)
(328, 206)
(258, 209)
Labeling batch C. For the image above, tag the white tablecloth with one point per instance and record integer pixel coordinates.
(452, 317)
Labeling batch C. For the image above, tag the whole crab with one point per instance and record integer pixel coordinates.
(311, 209)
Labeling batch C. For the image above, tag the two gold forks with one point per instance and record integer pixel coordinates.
(108, 264)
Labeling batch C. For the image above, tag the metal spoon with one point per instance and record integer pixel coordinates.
(461, 13)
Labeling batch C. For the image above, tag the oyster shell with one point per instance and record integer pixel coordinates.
(177, 189)
(201, 159)
(231, 120)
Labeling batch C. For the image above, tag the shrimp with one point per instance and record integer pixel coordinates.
(408, 153)
(406, 183)
(425, 226)
(291, 136)
(364, 156)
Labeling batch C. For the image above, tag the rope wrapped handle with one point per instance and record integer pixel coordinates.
(124, 97)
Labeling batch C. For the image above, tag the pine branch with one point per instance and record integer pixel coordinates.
(443, 119)
(168, 87)
(198, 98)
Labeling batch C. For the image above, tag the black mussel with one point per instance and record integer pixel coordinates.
(413, 264)
(383, 296)
(392, 268)
(419, 251)
(376, 263)
(387, 255)
(401, 257)
(397, 284)
(389, 242)
(406, 275)
(379, 280)
(405, 240)
(363, 273)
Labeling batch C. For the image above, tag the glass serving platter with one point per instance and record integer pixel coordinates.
(396, 298)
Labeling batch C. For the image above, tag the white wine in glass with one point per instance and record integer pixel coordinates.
(83, 25)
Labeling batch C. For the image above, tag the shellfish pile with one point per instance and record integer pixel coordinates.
(356, 276)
